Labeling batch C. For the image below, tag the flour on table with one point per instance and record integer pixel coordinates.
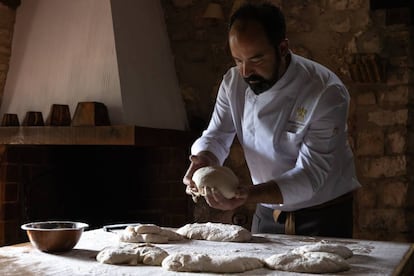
(212, 231)
(323, 246)
(132, 255)
(308, 262)
(218, 177)
(196, 262)
(149, 233)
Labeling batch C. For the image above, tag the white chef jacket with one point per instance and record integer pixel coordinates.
(294, 133)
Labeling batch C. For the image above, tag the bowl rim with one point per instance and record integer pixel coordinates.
(78, 225)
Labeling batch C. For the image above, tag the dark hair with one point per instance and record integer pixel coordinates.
(267, 15)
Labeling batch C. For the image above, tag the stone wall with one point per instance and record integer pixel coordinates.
(371, 51)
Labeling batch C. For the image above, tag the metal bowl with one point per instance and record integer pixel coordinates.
(54, 236)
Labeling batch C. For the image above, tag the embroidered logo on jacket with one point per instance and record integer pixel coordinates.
(293, 126)
(300, 114)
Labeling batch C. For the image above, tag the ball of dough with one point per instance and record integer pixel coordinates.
(218, 177)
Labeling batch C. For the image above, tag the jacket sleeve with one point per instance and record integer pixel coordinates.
(322, 144)
(219, 135)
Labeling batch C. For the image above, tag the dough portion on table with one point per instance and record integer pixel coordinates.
(196, 262)
(323, 246)
(308, 262)
(130, 254)
(212, 231)
(171, 234)
(218, 177)
(154, 238)
(149, 233)
(147, 229)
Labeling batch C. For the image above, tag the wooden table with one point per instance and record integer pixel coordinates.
(370, 257)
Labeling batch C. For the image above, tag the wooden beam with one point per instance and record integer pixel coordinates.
(94, 135)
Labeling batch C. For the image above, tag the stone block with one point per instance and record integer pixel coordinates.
(370, 142)
(394, 95)
(357, 4)
(370, 42)
(366, 197)
(389, 117)
(396, 142)
(342, 25)
(394, 194)
(367, 98)
(387, 166)
(383, 219)
(398, 76)
(297, 25)
(338, 4)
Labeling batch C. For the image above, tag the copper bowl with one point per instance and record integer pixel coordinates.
(54, 236)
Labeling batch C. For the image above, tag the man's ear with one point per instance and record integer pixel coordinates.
(284, 47)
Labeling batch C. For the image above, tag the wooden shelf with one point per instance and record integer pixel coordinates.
(122, 135)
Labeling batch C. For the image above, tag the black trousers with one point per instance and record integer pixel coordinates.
(332, 220)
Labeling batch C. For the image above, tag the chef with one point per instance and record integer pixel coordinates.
(289, 114)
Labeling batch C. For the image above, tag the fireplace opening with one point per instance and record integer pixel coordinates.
(97, 185)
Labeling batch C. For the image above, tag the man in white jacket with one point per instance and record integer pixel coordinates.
(289, 114)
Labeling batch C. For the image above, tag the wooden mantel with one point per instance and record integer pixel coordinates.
(123, 135)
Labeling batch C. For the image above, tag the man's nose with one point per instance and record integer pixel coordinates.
(246, 70)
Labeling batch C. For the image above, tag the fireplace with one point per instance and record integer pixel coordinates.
(139, 181)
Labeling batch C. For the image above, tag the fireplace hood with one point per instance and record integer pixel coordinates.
(113, 52)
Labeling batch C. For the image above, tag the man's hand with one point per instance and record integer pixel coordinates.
(216, 200)
(203, 159)
(267, 192)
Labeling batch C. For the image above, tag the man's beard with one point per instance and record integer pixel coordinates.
(259, 84)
